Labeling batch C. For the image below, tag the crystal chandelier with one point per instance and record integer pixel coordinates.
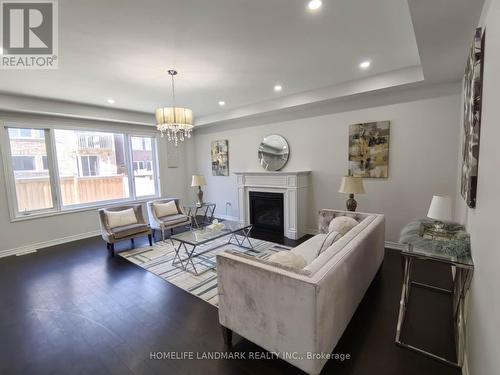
(176, 122)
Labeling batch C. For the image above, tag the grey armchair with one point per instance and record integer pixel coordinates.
(125, 232)
(167, 222)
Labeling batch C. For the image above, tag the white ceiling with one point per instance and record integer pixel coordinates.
(231, 50)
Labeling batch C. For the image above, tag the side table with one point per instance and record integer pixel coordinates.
(206, 208)
(464, 268)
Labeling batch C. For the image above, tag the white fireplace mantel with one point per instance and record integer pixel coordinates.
(295, 189)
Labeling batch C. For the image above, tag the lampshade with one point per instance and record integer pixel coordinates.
(182, 117)
(440, 208)
(198, 180)
(352, 185)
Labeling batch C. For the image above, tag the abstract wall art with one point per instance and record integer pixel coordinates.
(220, 158)
(472, 92)
(369, 149)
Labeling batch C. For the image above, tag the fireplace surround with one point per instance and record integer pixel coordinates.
(294, 187)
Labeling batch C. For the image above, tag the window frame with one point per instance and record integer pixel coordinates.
(53, 170)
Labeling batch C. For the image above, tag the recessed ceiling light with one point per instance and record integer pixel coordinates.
(314, 4)
(222, 103)
(278, 88)
(365, 64)
(111, 101)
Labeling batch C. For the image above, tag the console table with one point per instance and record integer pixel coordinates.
(453, 251)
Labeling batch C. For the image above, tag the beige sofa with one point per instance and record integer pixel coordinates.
(297, 313)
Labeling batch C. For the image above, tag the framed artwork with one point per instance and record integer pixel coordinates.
(220, 158)
(369, 149)
(472, 91)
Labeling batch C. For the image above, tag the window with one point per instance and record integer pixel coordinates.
(89, 166)
(23, 163)
(32, 187)
(45, 163)
(56, 169)
(142, 156)
(101, 156)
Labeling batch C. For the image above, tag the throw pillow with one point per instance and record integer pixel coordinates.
(288, 259)
(342, 224)
(329, 240)
(165, 209)
(121, 218)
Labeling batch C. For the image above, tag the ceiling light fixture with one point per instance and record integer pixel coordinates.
(176, 122)
(314, 4)
(222, 103)
(365, 64)
(278, 88)
(111, 101)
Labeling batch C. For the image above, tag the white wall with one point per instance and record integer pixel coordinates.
(423, 149)
(483, 330)
(41, 232)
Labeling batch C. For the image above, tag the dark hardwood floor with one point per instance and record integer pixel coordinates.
(74, 309)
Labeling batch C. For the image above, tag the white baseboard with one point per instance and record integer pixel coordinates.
(32, 248)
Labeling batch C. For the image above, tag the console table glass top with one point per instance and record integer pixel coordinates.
(433, 253)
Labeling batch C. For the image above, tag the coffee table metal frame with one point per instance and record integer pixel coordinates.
(183, 263)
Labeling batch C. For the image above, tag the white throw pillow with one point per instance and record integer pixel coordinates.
(288, 259)
(342, 224)
(121, 218)
(165, 209)
(329, 240)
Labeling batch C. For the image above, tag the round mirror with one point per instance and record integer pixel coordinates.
(273, 152)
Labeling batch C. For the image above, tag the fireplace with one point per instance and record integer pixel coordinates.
(266, 211)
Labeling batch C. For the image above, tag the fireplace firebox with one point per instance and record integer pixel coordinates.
(266, 211)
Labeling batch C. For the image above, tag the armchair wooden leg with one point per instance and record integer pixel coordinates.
(111, 248)
(150, 238)
(132, 241)
(227, 334)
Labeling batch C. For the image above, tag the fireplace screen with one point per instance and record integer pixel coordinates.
(266, 211)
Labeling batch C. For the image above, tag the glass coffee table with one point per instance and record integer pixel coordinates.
(189, 241)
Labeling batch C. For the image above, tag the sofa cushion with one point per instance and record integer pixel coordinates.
(165, 209)
(288, 259)
(309, 249)
(121, 218)
(330, 238)
(342, 224)
(129, 230)
(173, 219)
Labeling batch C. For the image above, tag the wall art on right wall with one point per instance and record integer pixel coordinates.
(472, 91)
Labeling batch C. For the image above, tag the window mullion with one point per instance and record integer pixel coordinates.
(156, 166)
(130, 169)
(50, 144)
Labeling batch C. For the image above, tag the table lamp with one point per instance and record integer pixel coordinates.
(440, 211)
(199, 180)
(351, 185)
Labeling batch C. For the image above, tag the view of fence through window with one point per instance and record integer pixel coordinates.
(142, 160)
(30, 168)
(91, 167)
